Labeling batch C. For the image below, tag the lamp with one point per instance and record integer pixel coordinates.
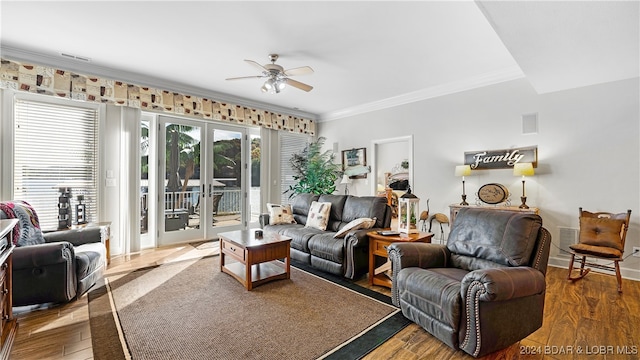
(408, 213)
(523, 169)
(346, 181)
(463, 170)
(274, 84)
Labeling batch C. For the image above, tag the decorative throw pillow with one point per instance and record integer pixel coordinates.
(319, 215)
(28, 231)
(361, 223)
(601, 232)
(280, 214)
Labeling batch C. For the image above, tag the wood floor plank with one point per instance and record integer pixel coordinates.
(589, 312)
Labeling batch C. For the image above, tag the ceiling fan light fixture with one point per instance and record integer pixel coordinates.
(268, 86)
(277, 78)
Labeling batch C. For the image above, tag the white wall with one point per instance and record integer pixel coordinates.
(588, 149)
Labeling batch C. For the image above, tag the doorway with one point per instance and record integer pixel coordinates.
(195, 179)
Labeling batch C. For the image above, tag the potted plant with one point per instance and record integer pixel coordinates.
(315, 170)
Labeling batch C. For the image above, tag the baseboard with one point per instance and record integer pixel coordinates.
(630, 274)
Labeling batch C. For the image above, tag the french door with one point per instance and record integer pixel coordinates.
(203, 180)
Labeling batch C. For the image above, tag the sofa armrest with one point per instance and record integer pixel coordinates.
(414, 254)
(33, 256)
(76, 237)
(502, 284)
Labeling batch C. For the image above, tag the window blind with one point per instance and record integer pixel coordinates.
(290, 143)
(55, 146)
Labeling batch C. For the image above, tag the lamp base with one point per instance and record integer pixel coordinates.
(524, 202)
(464, 200)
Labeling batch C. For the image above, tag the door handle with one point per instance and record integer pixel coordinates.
(203, 194)
(210, 190)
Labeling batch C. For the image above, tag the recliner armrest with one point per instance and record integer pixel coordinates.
(502, 283)
(75, 236)
(415, 254)
(32, 256)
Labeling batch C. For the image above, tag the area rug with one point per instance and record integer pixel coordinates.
(190, 310)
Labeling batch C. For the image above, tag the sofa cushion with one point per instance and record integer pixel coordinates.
(502, 237)
(337, 208)
(319, 215)
(361, 223)
(325, 246)
(601, 232)
(89, 258)
(365, 207)
(280, 214)
(298, 233)
(300, 205)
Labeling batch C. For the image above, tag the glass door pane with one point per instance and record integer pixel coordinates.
(181, 202)
(148, 180)
(255, 145)
(226, 191)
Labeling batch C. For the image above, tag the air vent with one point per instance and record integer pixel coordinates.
(568, 236)
(530, 123)
(76, 57)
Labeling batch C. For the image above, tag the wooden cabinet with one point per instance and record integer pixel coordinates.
(454, 208)
(8, 324)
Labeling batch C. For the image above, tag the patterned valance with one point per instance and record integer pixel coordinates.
(66, 84)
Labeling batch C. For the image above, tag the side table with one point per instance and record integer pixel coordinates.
(378, 250)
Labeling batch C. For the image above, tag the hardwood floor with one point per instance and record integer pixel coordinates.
(589, 315)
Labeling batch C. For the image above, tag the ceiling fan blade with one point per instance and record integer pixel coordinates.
(303, 70)
(245, 77)
(299, 85)
(262, 68)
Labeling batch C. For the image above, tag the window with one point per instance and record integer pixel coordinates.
(55, 146)
(290, 144)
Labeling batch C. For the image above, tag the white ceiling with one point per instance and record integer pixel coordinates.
(366, 54)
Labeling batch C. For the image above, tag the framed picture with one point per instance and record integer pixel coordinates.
(354, 163)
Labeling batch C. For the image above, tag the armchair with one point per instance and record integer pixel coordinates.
(52, 267)
(468, 292)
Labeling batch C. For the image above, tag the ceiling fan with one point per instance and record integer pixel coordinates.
(277, 77)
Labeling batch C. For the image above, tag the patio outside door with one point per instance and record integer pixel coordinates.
(233, 162)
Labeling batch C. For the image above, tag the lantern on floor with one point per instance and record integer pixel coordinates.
(408, 212)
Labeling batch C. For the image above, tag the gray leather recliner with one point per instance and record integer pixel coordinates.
(52, 267)
(484, 290)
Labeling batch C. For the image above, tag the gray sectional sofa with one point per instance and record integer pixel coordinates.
(348, 256)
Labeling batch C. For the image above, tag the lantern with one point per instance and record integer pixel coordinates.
(408, 212)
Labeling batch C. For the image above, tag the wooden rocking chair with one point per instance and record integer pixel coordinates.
(602, 236)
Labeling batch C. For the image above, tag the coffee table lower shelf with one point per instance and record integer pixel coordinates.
(260, 273)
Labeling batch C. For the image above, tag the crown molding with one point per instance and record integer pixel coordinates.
(90, 68)
(495, 77)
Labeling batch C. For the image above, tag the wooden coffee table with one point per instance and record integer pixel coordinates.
(256, 258)
(378, 249)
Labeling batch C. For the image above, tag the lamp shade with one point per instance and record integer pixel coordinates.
(345, 179)
(523, 169)
(463, 170)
